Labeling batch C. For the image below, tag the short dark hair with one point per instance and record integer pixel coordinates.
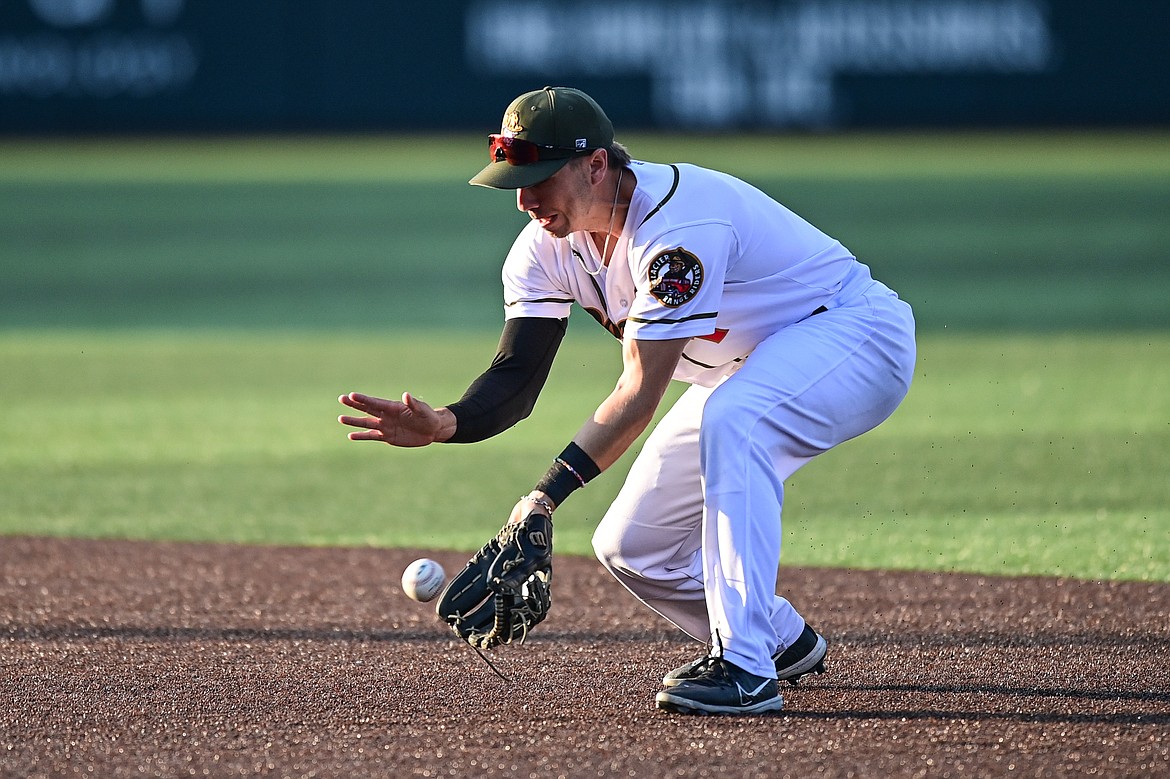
(619, 155)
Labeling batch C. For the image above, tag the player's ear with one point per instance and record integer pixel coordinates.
(598, 166)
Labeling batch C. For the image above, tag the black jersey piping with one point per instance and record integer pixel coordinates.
(669, 195)
(693, 361)
(539, 300)
(692, 317)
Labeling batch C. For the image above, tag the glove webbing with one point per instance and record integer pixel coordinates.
(503, 623)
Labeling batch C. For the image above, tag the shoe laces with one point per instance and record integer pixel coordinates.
(712, 662)
(704, 664)
(715, 646)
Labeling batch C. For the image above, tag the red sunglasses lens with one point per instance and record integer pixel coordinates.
(515, 151)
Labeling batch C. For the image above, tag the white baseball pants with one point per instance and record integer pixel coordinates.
(695, 531)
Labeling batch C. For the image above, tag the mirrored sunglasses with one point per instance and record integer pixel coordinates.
(517, 151)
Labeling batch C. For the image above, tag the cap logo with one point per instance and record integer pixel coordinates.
(582, 144)
(512, 123)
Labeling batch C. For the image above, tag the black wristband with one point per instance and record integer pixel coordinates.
(579, 463)
(571, 470)
(557, 483)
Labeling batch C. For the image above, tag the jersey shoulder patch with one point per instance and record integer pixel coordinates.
(676, 276)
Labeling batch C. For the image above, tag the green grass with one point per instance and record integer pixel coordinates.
(177, 317)
(1021, 454)
(1031, 454)
(980, 231)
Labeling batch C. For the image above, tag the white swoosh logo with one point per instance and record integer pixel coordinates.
(743, 694)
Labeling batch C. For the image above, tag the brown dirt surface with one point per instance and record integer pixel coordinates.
(129, 659)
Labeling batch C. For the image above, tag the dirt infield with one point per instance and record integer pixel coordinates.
(122, 659)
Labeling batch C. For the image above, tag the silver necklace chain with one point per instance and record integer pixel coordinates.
(609, 233)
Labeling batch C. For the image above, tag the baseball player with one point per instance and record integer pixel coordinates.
(789, 346)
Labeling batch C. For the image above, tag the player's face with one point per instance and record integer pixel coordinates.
(561, 202)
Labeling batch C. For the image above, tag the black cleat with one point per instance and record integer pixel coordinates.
(805, 656)
(721, 688)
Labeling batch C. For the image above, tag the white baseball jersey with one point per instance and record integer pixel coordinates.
(695, 532)
(703, 255)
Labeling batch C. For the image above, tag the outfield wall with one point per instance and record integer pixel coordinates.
(84, 66)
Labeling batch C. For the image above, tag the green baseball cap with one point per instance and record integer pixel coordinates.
(540, 133)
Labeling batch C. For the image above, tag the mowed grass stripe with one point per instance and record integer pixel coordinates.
(1020, 454)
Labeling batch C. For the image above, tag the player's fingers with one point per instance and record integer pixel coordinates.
(364, 402)
(375, 407)
(367, 422)
(366, 435)
(352, 401)
(420, 408)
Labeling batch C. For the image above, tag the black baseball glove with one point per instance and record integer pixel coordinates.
(504, 590)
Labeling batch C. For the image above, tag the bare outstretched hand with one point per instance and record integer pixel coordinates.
(409, 422)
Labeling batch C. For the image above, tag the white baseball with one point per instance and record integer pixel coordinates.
(423, 580)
